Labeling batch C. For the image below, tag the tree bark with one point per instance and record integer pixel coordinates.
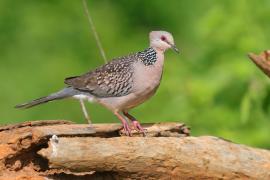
(63, 150)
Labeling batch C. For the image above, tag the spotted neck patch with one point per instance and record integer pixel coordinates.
(148, 56)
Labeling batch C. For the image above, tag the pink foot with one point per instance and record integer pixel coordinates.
(126, 128)
(138, 127)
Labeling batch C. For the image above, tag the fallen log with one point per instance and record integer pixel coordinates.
(159, 158)
(63, 150)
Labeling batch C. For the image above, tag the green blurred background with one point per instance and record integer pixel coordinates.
(212, 86)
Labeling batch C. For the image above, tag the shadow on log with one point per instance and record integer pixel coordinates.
(62, 150)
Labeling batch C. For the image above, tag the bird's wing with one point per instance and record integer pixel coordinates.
(113, 79)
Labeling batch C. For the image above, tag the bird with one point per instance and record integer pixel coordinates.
(121, 84)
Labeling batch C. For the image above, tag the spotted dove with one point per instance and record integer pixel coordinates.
(121, 84)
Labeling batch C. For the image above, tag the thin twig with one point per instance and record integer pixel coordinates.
(102, 52)
(85, 112)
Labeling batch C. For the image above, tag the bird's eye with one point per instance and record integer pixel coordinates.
(163, 38)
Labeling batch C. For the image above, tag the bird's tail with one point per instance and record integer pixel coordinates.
(64, 93)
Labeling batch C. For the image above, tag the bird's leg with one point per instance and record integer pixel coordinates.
(126, 127)
(136, 124)
(86, 116)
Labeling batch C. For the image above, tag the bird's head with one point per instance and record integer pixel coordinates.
(162, 40)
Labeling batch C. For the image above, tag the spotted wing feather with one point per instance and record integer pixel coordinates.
(113, 79)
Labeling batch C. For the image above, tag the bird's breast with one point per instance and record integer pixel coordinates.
(147, 78)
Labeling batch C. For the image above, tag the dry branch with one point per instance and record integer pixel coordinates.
(81, 152)
(262, 61)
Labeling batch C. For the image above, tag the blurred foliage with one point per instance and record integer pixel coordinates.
(211, 86)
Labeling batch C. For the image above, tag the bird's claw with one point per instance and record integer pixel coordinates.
(137, 126)
(127, 129)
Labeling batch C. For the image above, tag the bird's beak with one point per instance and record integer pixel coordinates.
(175, 48)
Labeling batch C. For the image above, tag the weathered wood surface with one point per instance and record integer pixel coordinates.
(159, 158)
